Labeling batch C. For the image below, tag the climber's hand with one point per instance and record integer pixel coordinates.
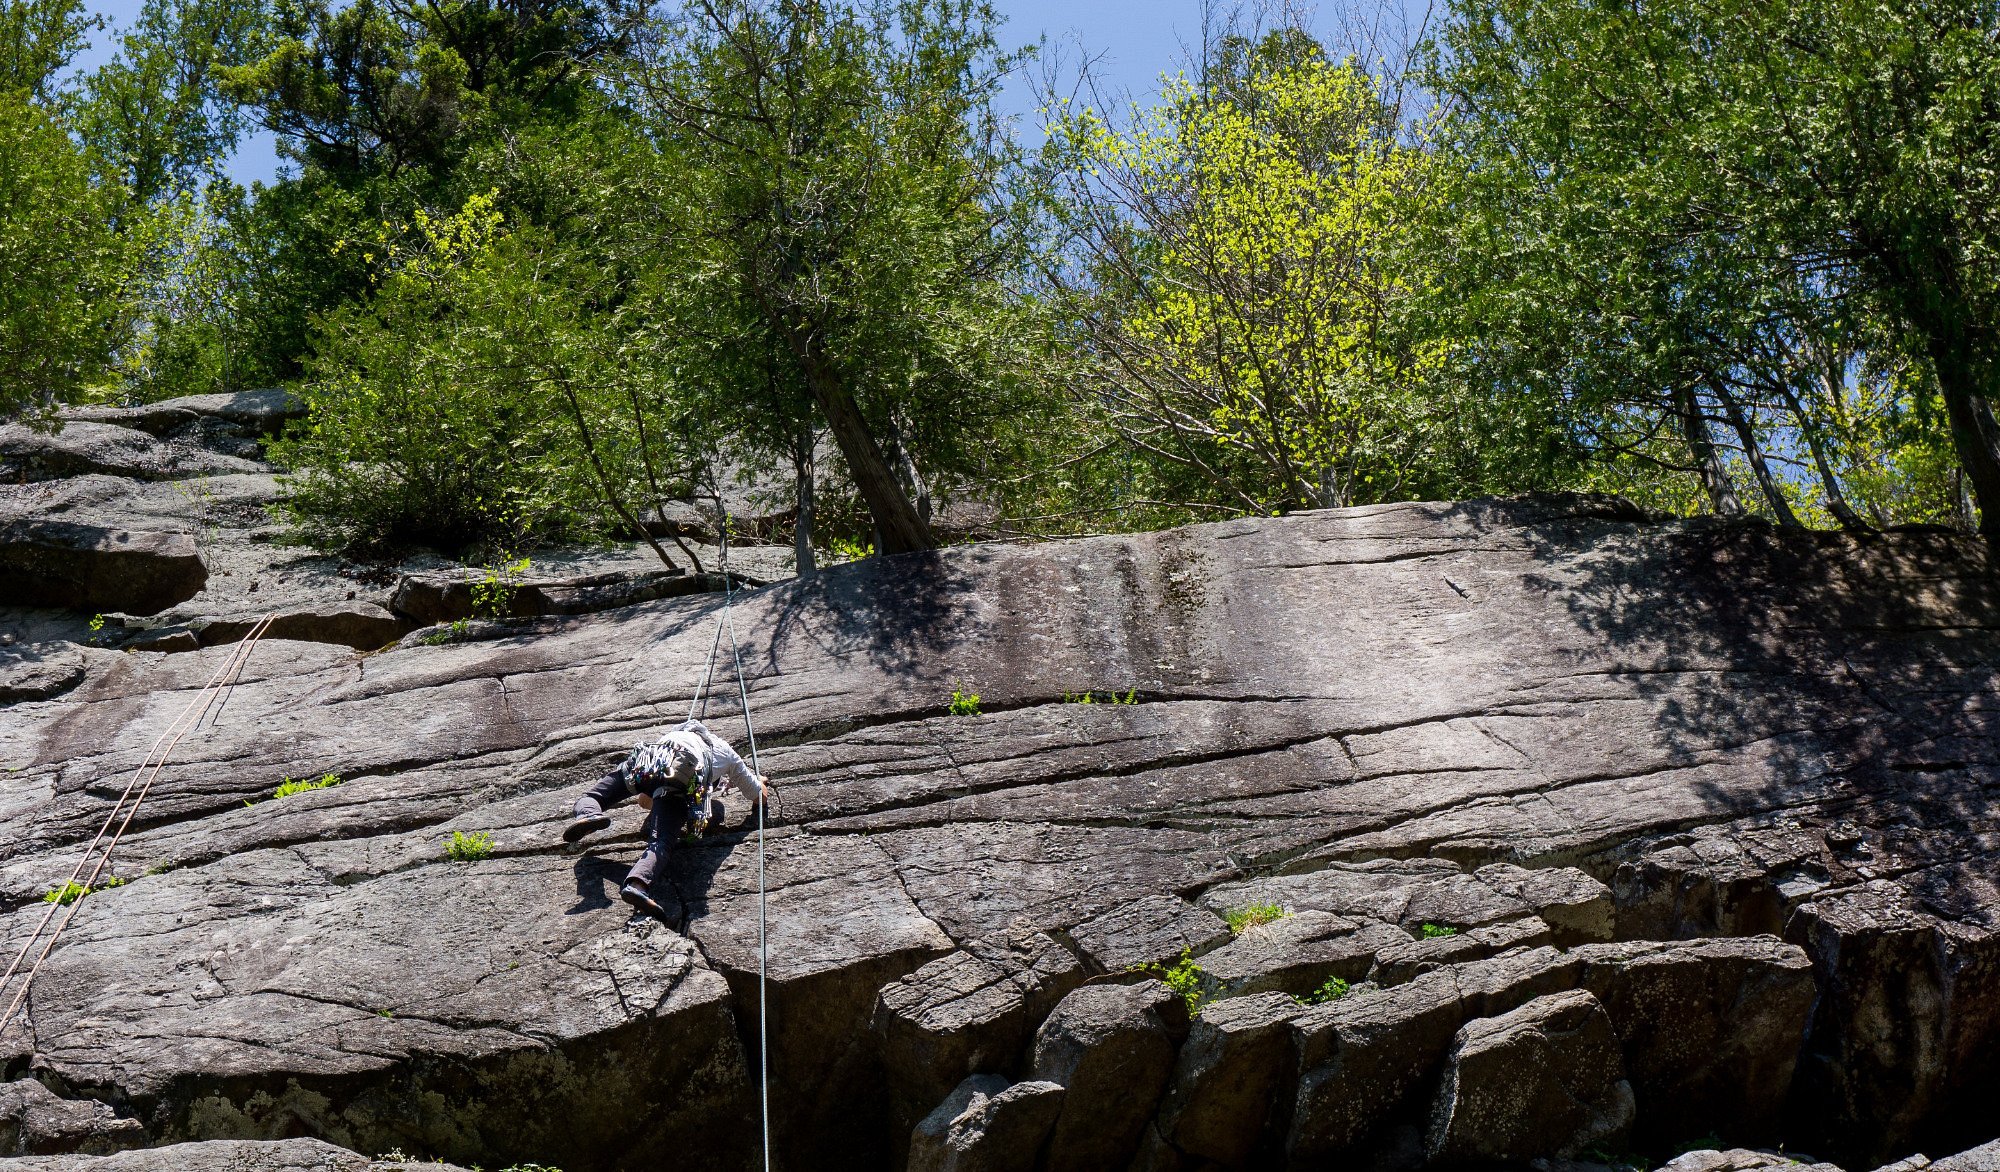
(645, 801)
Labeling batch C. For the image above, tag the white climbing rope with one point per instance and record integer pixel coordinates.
(700, 700)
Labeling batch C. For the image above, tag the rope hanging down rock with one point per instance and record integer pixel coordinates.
(700, 700)
(199, 707)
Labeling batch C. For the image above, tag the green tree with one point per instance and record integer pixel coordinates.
(62, 268)
(841, 210)
(154, 114)
(1699, 215)
(1237, 265)
(38, 39)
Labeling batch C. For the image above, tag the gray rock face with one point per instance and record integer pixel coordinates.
(1111, 1049)
(34, 1121)
(83, 449)
(222, 1155)
(987, 1125)
(37, 671)
(1984, 1158)
(1546, 1078)
(85, 568)
(1731, 782)
(972, 1010)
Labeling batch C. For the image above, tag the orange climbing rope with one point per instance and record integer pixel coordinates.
(198, 706)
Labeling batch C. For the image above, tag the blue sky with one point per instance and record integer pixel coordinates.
(1132, 41)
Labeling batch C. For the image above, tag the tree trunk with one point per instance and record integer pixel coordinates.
(1766, 483)
(802, 527)
(1708, 462)
(897, 524)
(1974, 433)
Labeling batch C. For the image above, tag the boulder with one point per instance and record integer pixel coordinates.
(1708, 1029)
(1218, 1106)
(86, 568)
(1543, 1079)
(444, 597)
(986, 1125)
(1111, 1048)
(974, 1009)
(231, 1155)
(258, 412)
(82, 449)
(34, 1121)
(1404, 959)
(1711, 1030)
(1298, 954)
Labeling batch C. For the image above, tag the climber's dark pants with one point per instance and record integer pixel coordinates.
(663, 825)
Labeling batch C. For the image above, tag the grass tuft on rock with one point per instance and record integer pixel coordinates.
(291, 786)
(469, 848)
(1241, 919)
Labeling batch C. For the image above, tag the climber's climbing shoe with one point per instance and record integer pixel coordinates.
(637, 895)
(585, 824)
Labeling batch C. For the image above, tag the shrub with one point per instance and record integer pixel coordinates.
(964, 703)
(493, 595)
(469, 848)
(1241, 918)
(289, 787)
(432, 418)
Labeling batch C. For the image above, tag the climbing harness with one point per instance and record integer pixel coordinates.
(200, 706)
(700, 700)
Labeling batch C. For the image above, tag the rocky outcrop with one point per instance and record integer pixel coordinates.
(290, 1155)
(87, 568)
(28, 455)
(37, 671)
(1730, 787)
(35, 1121)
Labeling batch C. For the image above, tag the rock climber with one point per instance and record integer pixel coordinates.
(674, 779)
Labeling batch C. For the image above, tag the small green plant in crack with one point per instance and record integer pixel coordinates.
(469, 848)
(1332, 990)
(455, 632)
(1241, 919)
(288, 787)
(1436, 931)
(493, 595)
(69, 893)
(385, 1013)
(96, 625)
(163, 866)
(1131, 696)
(964, 703)
(1184, 977)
